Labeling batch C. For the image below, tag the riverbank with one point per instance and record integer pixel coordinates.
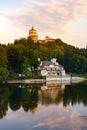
(33, 81)
(26, 81)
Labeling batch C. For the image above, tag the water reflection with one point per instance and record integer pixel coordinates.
(75, 94)
(4, 95)
(54, 107)
(51, 94)
(29, 96)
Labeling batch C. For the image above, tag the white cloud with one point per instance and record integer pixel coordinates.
(51, 16)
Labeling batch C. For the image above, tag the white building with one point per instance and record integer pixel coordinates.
(52, 70)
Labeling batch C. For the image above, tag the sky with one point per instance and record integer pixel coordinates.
(64, 19)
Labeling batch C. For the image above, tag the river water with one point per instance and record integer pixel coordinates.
(41, 107)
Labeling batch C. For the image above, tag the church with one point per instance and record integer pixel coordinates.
(34, 36)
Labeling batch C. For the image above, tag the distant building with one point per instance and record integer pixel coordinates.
(48, 39)
(33, 35)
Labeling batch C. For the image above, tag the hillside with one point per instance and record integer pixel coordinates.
(23, 54)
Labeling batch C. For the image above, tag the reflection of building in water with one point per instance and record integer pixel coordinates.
(51, 94)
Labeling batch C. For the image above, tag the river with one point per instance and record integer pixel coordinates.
(43, 107)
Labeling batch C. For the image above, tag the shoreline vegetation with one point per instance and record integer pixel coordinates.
(82, 76)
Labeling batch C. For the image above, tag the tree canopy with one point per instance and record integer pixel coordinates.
(23, 54)
(3, 64)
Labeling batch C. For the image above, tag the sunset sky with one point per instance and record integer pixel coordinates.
(64, 19)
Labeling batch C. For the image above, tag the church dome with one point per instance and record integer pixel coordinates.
(33, 34)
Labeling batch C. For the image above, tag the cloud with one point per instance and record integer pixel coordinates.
(49, 16)
(50, 122)
(54, 117)
(65, 120)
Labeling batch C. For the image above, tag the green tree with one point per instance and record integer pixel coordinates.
(3, 64)
(22, 41)
(59, 54)
(14, 58)
(26, 69)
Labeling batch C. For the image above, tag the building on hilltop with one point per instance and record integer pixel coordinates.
(33, 35)
(48, 39)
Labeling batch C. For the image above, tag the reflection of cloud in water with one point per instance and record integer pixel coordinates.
(52, 117)
(61, 122)
(41, 128)
(83, 119)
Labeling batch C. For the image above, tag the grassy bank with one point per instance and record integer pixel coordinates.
(81, 75)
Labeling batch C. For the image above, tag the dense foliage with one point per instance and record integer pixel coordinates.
(22, 56)
(3, 64)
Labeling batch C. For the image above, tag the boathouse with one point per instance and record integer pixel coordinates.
(52, 70)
